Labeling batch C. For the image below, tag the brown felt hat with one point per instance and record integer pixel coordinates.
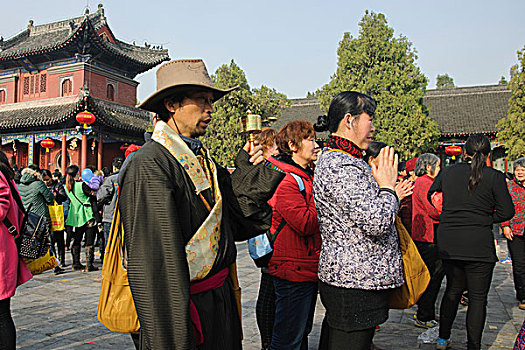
(180, 75)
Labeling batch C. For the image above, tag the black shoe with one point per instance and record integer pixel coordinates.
(92, 268)
(59, 270)
(78, 267)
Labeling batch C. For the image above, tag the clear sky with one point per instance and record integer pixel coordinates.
(292, 45)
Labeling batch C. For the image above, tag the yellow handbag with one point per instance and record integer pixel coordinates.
(56, 211)
(415, 272)
(116, 309)
(42, 264)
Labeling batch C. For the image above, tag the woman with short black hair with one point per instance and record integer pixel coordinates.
(475, 197)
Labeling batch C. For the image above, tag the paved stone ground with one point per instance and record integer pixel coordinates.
(59, 312)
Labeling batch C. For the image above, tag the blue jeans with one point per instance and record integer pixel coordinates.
(294, 314)
(107, 229)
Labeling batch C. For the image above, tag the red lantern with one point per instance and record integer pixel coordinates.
(86, 118)
(124, 147)
(453, 150)
(47, 144)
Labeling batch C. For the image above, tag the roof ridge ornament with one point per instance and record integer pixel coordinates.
(84, 91)
(101, 9)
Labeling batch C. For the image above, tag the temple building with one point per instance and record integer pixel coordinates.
(458, 112)
(52, 72)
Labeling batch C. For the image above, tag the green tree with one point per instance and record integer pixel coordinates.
(378, 64)
(444, 81)
(269, 103)
(503, 81)
(512, 131)
(223, 136)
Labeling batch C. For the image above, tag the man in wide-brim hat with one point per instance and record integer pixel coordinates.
(182, 213)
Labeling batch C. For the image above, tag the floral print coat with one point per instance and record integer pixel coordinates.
(360, 244)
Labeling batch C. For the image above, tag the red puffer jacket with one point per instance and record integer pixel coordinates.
(297, 247)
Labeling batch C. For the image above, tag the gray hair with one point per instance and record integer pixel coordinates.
(424, 160)
(519, 162)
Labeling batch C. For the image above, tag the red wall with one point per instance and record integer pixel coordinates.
(124, 93)
(10, 91)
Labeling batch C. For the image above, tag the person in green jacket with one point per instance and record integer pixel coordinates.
(34, 192)
(81, 218)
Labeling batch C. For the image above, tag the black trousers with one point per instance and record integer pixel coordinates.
(90, 232)
(7, 326)
(476, 277)
(265, 309)
(426, 306)
(69, 235)
(57, 237)
(517, 254)
(335, 339)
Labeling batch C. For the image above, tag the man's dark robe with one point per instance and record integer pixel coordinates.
(161, 212)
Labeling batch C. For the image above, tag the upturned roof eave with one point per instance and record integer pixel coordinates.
(101, 44)
(67, 119)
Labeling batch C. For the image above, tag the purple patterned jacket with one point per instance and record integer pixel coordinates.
(360, 244)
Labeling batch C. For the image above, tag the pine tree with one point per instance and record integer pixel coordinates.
(512, 131)
(444, 81)
(378, 64)
(224, 134)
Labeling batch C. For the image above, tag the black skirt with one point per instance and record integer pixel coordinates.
(350, 309)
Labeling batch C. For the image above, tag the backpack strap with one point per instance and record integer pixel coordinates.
(10, 227)
(300, 182)
(273, 236)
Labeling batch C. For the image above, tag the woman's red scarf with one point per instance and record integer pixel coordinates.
(346, 145)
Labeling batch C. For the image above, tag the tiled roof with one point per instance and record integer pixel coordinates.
(301, 108)
(115, 115)
(61, 112)
(468, 110)
(458, 111)
(53, 36)
(40, 113)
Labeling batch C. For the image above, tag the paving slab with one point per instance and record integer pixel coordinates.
(59, 312)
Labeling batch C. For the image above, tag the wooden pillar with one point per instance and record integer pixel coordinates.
(83, 152)
(99, 153)
(48, 159)
(63, 157)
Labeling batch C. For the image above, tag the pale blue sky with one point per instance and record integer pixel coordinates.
(292, 45)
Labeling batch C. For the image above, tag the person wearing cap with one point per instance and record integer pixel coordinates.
(182, 214)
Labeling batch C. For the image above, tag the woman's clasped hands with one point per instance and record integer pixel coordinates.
(385, 173)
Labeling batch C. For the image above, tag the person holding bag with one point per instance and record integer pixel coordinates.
(57, 235)
(13, 271)
(360, 262)
(81, 218)
(36, 197)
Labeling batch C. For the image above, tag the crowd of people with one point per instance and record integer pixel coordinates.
(330, 213)
(81, 216)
